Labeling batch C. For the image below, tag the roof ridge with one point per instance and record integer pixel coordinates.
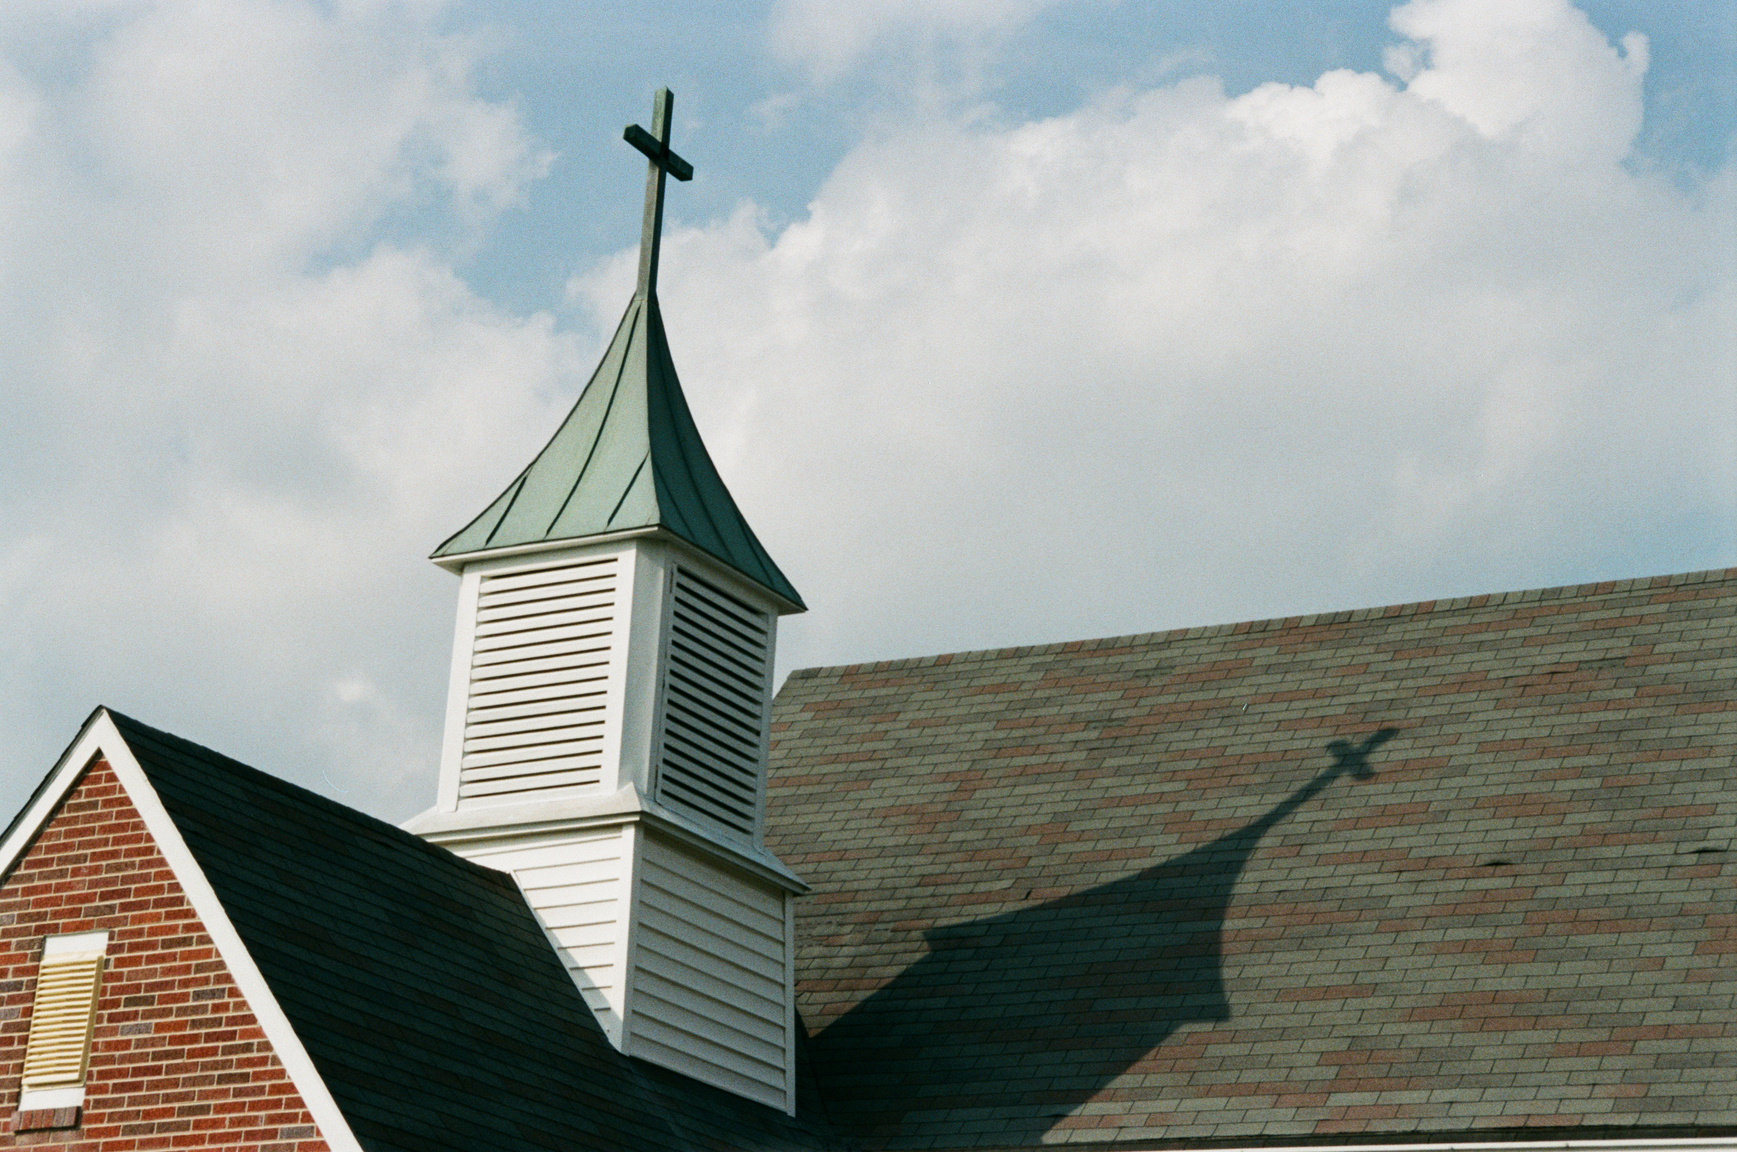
(1276, 623)
(130, 727)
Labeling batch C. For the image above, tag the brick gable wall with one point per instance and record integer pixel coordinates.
(178, 1059)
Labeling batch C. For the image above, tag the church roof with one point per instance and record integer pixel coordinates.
(420, 984)
(628, 457)
(1437, 871)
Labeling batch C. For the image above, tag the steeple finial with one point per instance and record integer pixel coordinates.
(655, 145)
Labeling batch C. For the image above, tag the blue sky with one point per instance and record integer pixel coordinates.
(1007, 321)
(574, 70)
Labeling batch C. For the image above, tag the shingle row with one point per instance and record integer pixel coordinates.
(1093, 891)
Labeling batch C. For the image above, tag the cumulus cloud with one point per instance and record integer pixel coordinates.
(1177, 357)
(1540, 71)
(238, 419)
(1171, 358)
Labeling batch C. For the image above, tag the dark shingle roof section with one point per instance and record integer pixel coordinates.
(1134, 890)
(420, 984)
(628, 456)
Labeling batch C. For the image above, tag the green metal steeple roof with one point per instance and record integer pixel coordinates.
(627, 457)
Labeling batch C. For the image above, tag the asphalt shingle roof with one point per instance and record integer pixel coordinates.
(421, 985)
(1448, 868)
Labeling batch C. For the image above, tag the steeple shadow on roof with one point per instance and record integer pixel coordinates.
(1010, 1022)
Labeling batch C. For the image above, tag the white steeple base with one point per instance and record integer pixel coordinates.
(606, 735)
(682, 947)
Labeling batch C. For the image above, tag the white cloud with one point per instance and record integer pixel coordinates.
(242, 419)
(1176, 354)
(1540, 72)
(263, 130)
(1169, 358)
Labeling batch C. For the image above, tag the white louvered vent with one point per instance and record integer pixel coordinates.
(539, 670)
(714, 703)
(62, 1013)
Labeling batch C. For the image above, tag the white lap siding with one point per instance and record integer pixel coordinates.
(578, 889)
(711, 969)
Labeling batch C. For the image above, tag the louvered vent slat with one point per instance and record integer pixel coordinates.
(60, 1020)
(538, 682)
(714, 725)
(720, 681)
(709, 789)
(696, 725)
(714, 704)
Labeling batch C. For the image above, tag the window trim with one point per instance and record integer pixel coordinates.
(68, 952)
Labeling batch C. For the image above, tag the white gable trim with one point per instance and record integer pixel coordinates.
(47, 798)
(101, 738)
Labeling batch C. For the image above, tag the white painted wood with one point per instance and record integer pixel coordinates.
(641, 676)
(682, 976)
(543, 640)
(609, 751)
(457, 690)
(687, 1054)
(582, 669)
(790, 1002)
(458, 830)
(552, 691)
(53, 790)
(30, 1099)
(62, 1014)
(710, 977)
(72, 943)
(576, 883)
(633, 840)
(716, 664)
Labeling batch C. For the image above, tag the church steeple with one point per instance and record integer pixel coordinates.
(660, 162)
(608, 711)
(628, 457)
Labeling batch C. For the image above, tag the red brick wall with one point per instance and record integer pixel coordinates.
(178, 1059)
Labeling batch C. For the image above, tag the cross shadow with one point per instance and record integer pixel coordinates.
(1009, 1022)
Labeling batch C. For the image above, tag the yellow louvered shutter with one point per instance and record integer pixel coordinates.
(61, 1019)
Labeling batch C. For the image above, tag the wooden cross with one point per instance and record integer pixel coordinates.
(655, 145)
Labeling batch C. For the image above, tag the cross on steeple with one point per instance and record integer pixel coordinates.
(655, 145)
